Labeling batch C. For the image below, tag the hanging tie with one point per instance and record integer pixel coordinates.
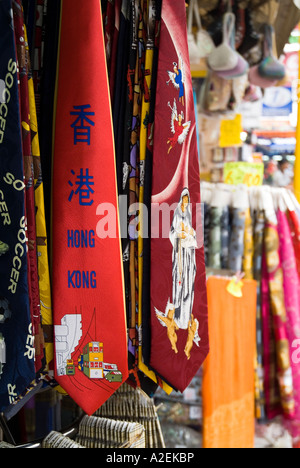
(88, 286)
(179, 329)
(17, 353)
(32, 264)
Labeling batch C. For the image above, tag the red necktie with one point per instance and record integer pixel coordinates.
(179, 329)
(88, 286)
(33, 280)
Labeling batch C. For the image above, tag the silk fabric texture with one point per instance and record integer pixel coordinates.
(292, 303)
(17, 363)
(279, 317)
(228, 380)
(32, 264)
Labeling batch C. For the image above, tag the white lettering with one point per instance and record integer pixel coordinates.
(12, 393)
(4, 210)
(17, 260)
(5, 95)
(18, 185)
(30, 353)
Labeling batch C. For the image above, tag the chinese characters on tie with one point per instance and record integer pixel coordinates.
(82, 191)
(82, 125)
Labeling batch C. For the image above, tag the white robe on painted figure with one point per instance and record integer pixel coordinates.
(184, 264)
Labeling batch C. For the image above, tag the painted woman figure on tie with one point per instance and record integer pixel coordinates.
(179, 313)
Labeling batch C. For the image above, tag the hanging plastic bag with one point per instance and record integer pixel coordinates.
(204, 42)
(270, 67)
(224, 57)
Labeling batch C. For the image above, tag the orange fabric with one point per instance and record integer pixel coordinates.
(228, 385)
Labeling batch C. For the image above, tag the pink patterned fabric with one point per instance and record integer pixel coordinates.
(279, 319)
(292, 303)
(271, 386)
(294, 224)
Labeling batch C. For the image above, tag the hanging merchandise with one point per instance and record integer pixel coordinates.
(215, 94)
(262, 238)
(224, 57)
(134, 406)
(278, 313)
(87, 276)
(126, 122)
(17, 335)
(194, 51)
(228, 407)
(178, 293)
(204, 41)
(225, 60)
(253, 265)
(270, 67)
(133, 125)
(140, 308)
(47, 69)
(267, 351)
(32, 264)
(200, 45)
(291, 295)
(145, 191)
(46, 335)
(141, 72)
(251, 38)
(269, 71)
(256, 79)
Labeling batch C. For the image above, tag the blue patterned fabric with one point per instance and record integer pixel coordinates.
(17, 368)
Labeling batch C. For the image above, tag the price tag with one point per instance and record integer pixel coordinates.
(249, 174)
(235, 287)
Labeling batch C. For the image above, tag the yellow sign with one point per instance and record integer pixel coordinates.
(241, 173)
(230, 132)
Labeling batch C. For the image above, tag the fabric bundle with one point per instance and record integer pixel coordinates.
(96, 432)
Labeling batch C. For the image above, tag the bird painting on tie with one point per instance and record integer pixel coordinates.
(179, 128)
(177, 78)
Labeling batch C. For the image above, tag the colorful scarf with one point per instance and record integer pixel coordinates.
(278, 309)
(292, 303)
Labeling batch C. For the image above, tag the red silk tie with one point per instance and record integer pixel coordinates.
(179, 324)
(88, 285)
